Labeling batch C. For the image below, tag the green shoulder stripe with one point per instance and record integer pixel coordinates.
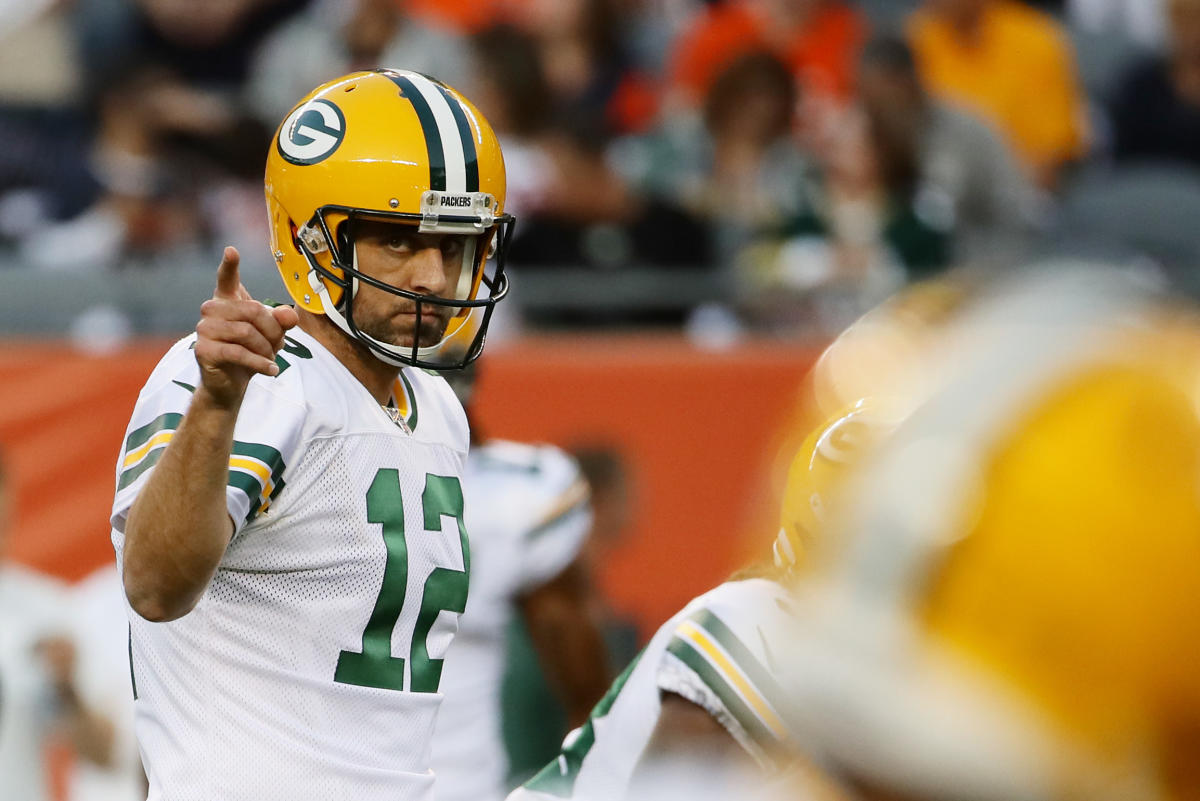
(582, 505)
(758, 674)
(149, 460)
(142, 435)
(249, 483)
(729, 697)
(558, 777)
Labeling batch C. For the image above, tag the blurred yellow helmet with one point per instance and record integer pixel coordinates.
(1011, 605)
(396, 146)
(825, 459)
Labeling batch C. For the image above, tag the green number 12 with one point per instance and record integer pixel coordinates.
(445, 589)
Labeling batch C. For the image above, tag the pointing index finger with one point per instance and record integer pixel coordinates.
(229, 285)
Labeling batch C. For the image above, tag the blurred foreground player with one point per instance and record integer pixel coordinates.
(290, 524)
(528, 513)
(707, 688)
(1005, 606)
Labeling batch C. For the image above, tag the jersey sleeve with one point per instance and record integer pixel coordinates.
(561, 519)
(267, 437)
(718, 658)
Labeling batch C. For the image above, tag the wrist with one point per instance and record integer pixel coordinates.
(226, 402)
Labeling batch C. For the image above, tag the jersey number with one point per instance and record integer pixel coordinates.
(445, 589)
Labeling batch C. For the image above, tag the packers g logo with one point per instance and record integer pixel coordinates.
(312, 132)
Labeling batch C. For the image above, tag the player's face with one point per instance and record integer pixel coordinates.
(426, 264)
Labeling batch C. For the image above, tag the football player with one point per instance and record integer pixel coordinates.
(289, 510)
(528, 511)
(707, 686)
(1006, 605)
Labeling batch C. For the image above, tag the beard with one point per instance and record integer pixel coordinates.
(396, 327)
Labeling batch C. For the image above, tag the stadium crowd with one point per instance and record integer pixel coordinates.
(791, 161)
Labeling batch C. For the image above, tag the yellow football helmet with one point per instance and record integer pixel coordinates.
(825, 459)
(396, 146)
(1008, 604)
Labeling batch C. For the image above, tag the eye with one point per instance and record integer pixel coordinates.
(399, 242)
(453, 245)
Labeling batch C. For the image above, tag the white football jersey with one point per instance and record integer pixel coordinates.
(310, 667)
(716, 653)
(528, 514)
(32, 607)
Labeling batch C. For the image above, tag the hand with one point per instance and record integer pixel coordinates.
(58, 655)
(237, 336)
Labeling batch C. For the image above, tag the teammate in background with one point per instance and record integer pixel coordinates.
(39, 699)
(289, 506)
(1007, 606)
(528, 514)
(706, 687)
(100, 630)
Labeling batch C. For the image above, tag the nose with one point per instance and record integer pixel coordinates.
(428, 272)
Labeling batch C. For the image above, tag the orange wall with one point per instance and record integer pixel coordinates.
(697, 428)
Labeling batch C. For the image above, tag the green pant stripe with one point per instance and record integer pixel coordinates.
(733, 702)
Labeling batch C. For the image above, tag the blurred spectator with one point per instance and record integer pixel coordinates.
(737, 168)
(818, 39)
(208, 46)
(39, 699)
(560, 184)
(1142, 21)
(43, 172)
(511, 89)
(948, 164)
(334, 37)
(574, 208)
(154, 137)
(1156, 111)
(1014, 66)
(462, 18)
(589, 71)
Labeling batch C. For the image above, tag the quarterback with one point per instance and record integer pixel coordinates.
(289, 515)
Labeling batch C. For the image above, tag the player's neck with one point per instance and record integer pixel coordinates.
(378, 377)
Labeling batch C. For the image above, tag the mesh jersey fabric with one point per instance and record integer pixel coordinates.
(251, 695)
(528, 514)
(716, 652)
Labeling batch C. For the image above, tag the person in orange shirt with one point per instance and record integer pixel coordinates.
(1012, 65)
(819, 40)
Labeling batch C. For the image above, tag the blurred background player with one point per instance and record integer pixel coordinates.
(1004, 605)
(528, 515)
(41, 706)
(100, 631)
(706, 688)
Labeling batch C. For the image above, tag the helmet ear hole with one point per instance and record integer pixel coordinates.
(295, 236)
(342, 237)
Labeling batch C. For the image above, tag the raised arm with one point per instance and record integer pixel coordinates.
(179, 526)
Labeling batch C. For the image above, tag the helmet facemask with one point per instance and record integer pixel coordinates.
(331, 231)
